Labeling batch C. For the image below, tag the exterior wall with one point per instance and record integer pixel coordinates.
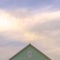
(30, 54)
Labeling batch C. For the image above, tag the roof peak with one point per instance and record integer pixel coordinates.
(31, 45)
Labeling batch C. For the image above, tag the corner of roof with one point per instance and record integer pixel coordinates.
(29, 44)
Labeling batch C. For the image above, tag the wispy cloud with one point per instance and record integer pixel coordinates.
(25, 21)
(36, 26)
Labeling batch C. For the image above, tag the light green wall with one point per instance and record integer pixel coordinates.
(35, 55)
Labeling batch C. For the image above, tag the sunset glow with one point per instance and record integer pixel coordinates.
(29, 21)
(5, 23)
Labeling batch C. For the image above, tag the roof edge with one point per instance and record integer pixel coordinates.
(27, 47)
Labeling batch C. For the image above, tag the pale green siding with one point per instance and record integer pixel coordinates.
(30, 53)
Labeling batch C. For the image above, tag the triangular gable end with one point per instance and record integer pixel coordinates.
(26, 54)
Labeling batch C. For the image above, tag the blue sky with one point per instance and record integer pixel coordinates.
(29, 21)
(25, 3)
(29, 4)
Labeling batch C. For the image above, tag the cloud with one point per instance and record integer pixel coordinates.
(7, 52)
(44, 30)
(28, 20)
(40, 28)
(50, 32)
(7, 43)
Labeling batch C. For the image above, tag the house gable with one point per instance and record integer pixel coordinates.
(30, 53)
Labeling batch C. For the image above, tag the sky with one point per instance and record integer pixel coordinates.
(29, 21)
